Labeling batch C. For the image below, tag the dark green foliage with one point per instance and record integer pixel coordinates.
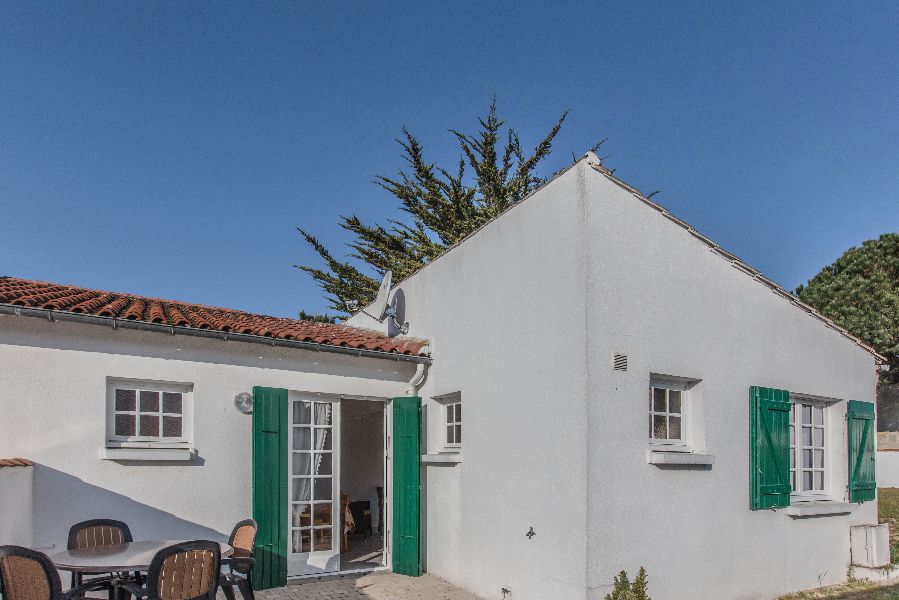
(860, 292)
(304, 316)
(444, 206)
(623, 589)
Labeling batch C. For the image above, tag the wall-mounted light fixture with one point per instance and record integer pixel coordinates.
(244, 402)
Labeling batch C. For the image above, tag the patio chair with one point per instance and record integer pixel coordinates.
(97, 532)
(240, 564)
(27, 574)
(185, 571)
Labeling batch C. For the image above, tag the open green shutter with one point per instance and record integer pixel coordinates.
(860, 424)
(270, 429)
(769, 438)
(407, 486)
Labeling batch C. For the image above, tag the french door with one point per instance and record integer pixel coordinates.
(313, 537)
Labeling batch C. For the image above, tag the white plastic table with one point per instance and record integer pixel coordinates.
(130, 556)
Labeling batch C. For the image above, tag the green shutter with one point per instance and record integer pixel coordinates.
(407, 486)
(270, 429)
(769, 439)
(860, 424)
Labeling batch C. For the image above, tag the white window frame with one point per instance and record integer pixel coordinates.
(678, 384)
(797, 449)
(452, 418)
(116, 441)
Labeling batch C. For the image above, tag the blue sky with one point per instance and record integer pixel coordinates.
(170, 149)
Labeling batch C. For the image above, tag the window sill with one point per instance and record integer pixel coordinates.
(148, 454)
(819, 508)
(656, 456)
(443, 458)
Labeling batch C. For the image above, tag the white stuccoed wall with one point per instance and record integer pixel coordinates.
(53, 397)
(523, 318)
(888, 469)
(16, 501)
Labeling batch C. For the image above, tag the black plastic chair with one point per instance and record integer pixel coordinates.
(94, 533)
(240, 563)
(27, 574)
(185, 571)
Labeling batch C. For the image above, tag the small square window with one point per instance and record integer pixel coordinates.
(147, 413)
(454, 424)
(668, 413)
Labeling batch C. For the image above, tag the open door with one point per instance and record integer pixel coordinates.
(313, 528)
(405, 463)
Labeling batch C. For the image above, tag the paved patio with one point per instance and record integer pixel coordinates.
(372, 586)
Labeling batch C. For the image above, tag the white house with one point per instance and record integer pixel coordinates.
(633, 396)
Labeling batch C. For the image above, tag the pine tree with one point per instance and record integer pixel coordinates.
(444, 206)
(640, 586)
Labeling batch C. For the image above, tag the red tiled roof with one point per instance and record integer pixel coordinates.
(52, 296)
(15, 462)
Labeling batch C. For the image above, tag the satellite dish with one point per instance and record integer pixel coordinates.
(379, 306)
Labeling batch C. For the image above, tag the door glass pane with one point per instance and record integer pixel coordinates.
(459, 413)
(806, 480)
(792, 458)
(458, 434)
(301, 541)
(322, 439)
(301, 516)
(301, 463)
(322, 539)
(322, 413)
(302, 438)
(806, 459)
(818, 437)
(323, 464)
(819, 480)
(818, 415)
(450, 435)
(302, 413)
(302, 490)
(322, 514)
(819, 459)
(806, 436)
(322, 488)
(806, 414)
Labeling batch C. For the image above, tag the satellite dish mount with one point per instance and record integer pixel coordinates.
(380, 310)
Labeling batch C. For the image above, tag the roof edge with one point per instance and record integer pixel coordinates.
(739, 264)
(117, 323)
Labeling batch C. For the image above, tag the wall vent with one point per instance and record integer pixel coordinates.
(619, 362)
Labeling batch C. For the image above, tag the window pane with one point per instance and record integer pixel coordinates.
(450, 435)
(301, 490)
(302, 438)
(806, 414)
(459, 413)
(322, 439)
(322, 539)
(674, 428)
(149, 425)
(674, 401)
(819, 480)
(806, 436)
(658, 399)
(806, 459)
(806, 480)
(819, 459)
(450, 413)
(300, 515)
(792, 414)
(322, 464)
(171, 402)
(792, 435)
(125, 399)
(818, 437)
(301, 541)
(321, 514)
(793, 481)
(458, 434)
(659, 428)
(322, 413)
(818, 415)
(792, 458)
(302, 413)
(301, 464)
(322, 488)
(149, 401)
(125, 424)
(171, 426)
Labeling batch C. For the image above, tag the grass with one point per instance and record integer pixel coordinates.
(888, 512)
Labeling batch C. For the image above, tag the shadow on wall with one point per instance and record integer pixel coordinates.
(61, 500)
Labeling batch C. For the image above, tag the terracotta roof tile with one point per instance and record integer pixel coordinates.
(15, 462)
(39, 294)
